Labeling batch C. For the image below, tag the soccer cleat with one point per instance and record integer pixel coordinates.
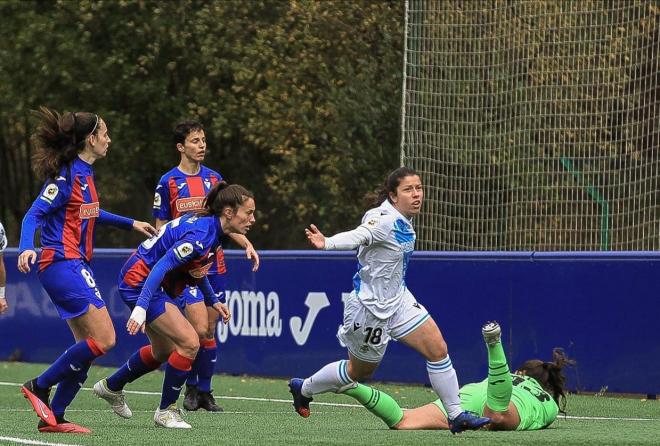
(467, 421)
(115, 399)
(38, 398)
(300, 402)
(170, 418)
(491, 332)
(190, 399)
(63, 427)
(206, 401)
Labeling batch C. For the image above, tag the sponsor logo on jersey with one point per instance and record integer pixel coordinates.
(84, 187)
(201, 271)
(50, 193)
(157, 200)
(184, 250)
(89, 210)
(181, 186)
(189, 204)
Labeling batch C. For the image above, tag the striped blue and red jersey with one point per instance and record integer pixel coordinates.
(187, 243)
(67, 211)
(178, 193)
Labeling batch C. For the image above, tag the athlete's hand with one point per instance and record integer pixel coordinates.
(223, 309)
(315, 237)
(251, 254)
(3, 305)
(136, 321)
(144, 228)
(26, 259)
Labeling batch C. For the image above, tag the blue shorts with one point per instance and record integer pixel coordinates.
(192, 295)
(71, 287)
(156, 305)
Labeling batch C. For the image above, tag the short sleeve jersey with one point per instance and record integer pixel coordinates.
(178, 193)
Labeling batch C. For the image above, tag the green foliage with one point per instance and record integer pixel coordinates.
(300, 100)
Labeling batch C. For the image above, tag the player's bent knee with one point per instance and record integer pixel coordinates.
(189, 347)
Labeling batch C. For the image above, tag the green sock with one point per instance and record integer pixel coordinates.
(378, 403)
(500, 387)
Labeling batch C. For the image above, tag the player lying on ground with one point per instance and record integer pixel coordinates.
(528, 399)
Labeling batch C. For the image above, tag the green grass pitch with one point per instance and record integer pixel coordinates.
(258, 411)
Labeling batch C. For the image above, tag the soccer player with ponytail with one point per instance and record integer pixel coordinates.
(67, 211)
(180, 191)
(529, 399)
(151, 280)
(381, 307)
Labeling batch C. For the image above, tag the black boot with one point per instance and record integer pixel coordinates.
(190, 400)
(207, 402)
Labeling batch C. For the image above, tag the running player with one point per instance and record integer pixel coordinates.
(528, 399)
(381, 307)
(67, 211)
(154, 276)
(3, 272)
(179, 191)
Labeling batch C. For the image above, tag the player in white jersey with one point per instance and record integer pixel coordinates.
(381, 306)
(3, 272)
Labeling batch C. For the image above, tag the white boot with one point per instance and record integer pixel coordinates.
(115, 399)
(171, 418)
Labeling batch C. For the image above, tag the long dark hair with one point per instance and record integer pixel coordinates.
(222, 195)
(58, 139)
(550, 375)
(376, 198)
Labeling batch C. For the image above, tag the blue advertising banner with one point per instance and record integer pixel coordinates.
(599, 307)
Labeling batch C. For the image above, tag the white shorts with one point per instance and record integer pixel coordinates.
(366, 336)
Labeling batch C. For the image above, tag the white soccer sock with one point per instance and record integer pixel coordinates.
(330, 378)
(444, 382)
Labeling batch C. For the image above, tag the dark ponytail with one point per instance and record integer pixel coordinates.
(550, 375)
(58, 139)
(224, 195)
(377, 197)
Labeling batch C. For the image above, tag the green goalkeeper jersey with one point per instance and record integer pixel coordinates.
(535, 406)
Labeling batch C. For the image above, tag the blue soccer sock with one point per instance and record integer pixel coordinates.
(75, 359)
(140, 363)
(67, 389)
(176, 372)
(205, 364)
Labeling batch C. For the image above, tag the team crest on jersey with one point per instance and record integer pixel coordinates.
(372, 222)
(89, 210)
(50, 193)
(184, 205)
(184, 250)
(157, 200)
(207, 183)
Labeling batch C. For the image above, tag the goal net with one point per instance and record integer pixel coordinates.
(535, 124)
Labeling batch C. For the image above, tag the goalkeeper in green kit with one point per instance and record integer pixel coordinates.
(528, 399)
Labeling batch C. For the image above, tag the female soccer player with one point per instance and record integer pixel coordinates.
(381, 307)
(67, 211)
(180, 191)
(529, 399)
(180, 255)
